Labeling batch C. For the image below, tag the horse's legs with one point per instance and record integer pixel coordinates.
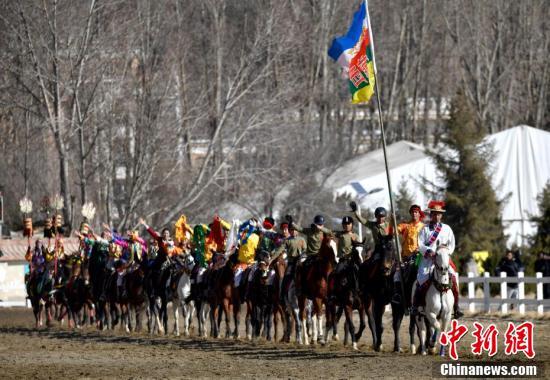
(422, 332)
(348, 311)
(302, 306)
(157, 313)
(361, 323)
(175, 310)
(236, 318)
(412, 328)
(369, 306)
(379, 309)
(267, 322)
(397, 319)
(227, 312)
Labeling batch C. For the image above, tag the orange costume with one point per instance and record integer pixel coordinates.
(409, 237)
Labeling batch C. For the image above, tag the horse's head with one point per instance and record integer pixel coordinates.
(188, 263)
(328, 249)
(441, 267)
(263, 270)
(387, 255)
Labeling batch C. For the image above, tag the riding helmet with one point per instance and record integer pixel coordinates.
(319, 220)
(380, 211)
(347, 220)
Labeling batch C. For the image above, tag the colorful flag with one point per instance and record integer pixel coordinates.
(355, 53)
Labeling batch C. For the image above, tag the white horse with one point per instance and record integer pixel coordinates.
(181, 296)
(439, 304)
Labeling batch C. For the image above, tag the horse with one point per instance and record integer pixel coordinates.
(198, 296)
(97, 268)
(136, 297)
(408, 276)
(39, 291)
(158, 276)
(376, 279)
(179, 293)
(343, 295)
(279, 268)
(291, 307)
(221, 295)
(79, 295)
(439, 303)
(261, 300)
(315, 287)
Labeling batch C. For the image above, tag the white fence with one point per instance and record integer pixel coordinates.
(502, 303)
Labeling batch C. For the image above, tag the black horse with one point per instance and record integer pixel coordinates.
(97, 268)
(261, 300)
(376, 279)
(156, 277)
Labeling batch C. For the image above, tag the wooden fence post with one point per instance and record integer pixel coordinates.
(486, 292)
(540, 294)
(503, 294)
(471, 293)
(521, 292)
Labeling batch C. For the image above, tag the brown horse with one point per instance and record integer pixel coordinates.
(376, 278)
(223, 296)
(315, 287)
(279, 265)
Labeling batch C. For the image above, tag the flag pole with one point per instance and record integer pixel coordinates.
(394, 220)
(381, 123)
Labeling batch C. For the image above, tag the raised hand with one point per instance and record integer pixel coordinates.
(141, 221)
(106, 226)
(353, 206)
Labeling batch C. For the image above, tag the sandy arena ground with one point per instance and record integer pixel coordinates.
(62, 353)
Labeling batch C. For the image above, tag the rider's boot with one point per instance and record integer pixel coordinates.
(457, 312)
(396, 298)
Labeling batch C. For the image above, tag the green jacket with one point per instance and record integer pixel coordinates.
(377, 230)
(345, 243)
(294, 246)
(314, 238)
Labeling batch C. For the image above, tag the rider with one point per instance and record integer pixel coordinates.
(380, 228)
(346, 239)
(133, 249)
(266, 246)
(37, 261)
(248, 244)
(293, 246)
(409, 245)
(433, 236)
(314, 238)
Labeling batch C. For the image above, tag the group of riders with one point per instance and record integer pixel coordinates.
(255, 244)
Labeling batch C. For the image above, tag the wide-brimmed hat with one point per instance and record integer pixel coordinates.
(436, 206)
(417, 207)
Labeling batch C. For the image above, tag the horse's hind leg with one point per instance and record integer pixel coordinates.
(349, 322)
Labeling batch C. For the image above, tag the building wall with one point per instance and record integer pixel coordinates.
(12, 281)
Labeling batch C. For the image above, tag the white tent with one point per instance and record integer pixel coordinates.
(520, 167)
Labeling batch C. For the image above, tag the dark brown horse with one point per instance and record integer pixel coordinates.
(344, 296)
(376, 278)
(315, 287)
(136, 298)
(221, 295)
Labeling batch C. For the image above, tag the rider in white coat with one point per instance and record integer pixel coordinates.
(434, 235)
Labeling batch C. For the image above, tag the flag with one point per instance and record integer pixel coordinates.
(355, 53)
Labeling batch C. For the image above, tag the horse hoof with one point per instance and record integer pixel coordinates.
(335, 338)
(398, 350)
(423, 353)
(431, 350)
(355, 347)
(413, 349)
(176, 334)
(249, 337)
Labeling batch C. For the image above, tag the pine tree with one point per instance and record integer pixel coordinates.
(540, 242)
(473, 210)
(403, 201)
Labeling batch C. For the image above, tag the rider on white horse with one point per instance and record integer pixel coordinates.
(434, 235)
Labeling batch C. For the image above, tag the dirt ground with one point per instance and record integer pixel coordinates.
(59, 352)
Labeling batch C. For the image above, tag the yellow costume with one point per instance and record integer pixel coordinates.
(409, 237)
(247, 251)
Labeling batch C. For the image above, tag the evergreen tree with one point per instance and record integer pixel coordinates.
(473, 210)
(540, 242)
(403, 201)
